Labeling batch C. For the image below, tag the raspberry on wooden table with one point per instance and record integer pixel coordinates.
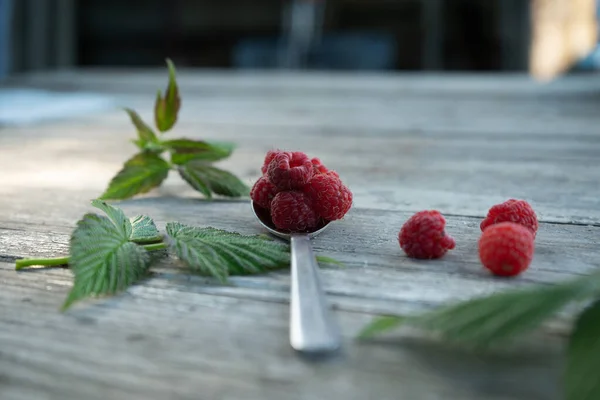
(292, 211)
(290, 170)
(331, 199)
(424, 235)
(506, 248)
(263, 192)
(518, 211)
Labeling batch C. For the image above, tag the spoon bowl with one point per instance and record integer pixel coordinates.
(265, 220)
(312, 327)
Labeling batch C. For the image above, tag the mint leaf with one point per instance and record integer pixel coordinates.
(489, 320)
(185, 150)
(220, 253)
(140, 174)
(583, 357)
(115, 214)
(144, 230)
(208, 180)
(166, 108)
(103, 259)
(145, 134)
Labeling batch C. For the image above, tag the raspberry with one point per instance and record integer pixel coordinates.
(518, 211)
(423, 235)
(268, 158)
(263, 192)
(331, 199)
(320, 168)
(292, 211)
(506, 248)
(290, 170)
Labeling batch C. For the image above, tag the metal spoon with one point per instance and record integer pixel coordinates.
(312, 327)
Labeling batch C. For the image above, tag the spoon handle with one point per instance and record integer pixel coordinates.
(312, 328)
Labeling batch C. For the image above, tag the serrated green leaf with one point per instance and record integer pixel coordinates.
(144, 230)
(115, 214)
(140, 174)
(489, 320)
(103, 259)
(145, 134)
(583, 357)
(185, 150)
(220, 253)
(381, 324)
(166, 108)
(207, 180)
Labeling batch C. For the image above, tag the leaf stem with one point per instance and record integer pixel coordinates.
(57, 261)
(46, 262)
(155, 246)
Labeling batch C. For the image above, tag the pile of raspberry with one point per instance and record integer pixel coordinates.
(506, 245)
(300, 193)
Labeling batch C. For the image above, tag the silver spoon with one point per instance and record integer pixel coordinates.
(312, 327)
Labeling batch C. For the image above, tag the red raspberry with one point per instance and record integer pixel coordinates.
(518, 211)
(292, 211)
(320, 168)
(263, 192)
(290, 170)
(423, 235)
(331, 199)
(268, 158)
(506, 248)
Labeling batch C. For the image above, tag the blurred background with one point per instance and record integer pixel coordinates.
(392, 35)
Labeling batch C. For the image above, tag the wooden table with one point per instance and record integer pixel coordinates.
(403, 143)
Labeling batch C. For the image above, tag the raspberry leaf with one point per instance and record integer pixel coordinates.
(146, 135)
(583, 357)
(381, 324)
(116, 215)
(185, 150)
(209, 180)
(140, 229)
(144, 230)
(488, 320)
(166, 108)
(219, 253)
(140, 174)
(103, 259)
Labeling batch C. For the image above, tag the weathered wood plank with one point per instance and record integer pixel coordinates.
(158, 343)
(377, 277)
(458, 173)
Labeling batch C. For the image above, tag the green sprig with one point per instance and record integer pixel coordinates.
(109, 253)
(191, 158)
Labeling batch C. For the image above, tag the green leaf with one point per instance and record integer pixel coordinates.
(583, 357)
(145, 134)
(185, 150)
(140, 174)
(166, 108)
(115, 214)
(381, 324)
(144, 230)
(488, 320)
(220, 253)
(329, 261)
(208, 180)
(103, 259)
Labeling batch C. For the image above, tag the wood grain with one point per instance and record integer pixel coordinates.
(402, 143)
